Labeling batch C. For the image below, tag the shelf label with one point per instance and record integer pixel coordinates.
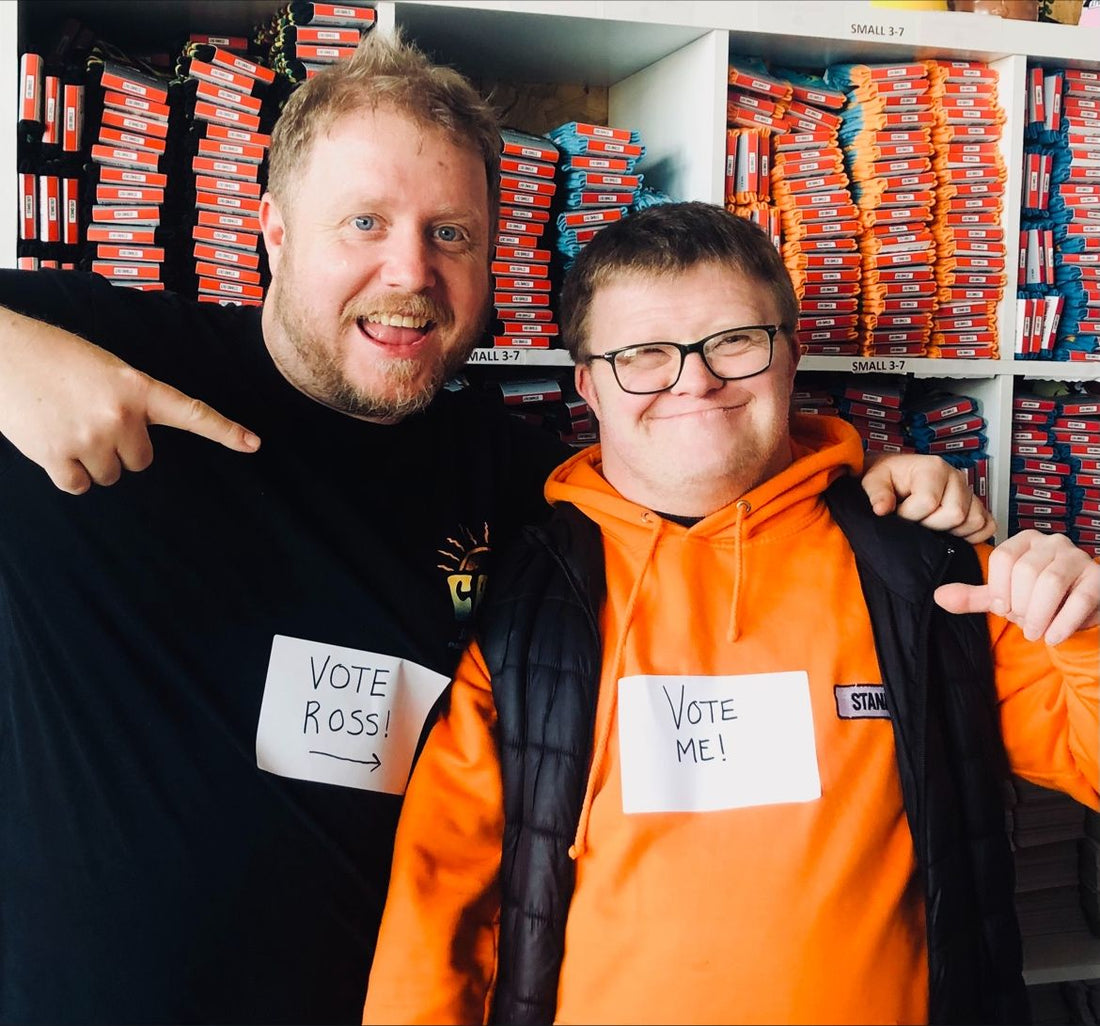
(875, 30)
(882, 364)
(495, 356)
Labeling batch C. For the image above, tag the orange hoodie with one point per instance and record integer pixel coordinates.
(788, 909)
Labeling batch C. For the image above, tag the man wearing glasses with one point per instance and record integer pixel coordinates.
(729, 748)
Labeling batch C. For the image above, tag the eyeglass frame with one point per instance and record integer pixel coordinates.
(685, 350)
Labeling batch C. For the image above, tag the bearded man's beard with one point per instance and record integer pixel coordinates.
(406, 391)
(407, 387)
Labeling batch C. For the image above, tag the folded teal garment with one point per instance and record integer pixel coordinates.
(924, 414)
(564, 225)
(809, 81)
(571, 141)
(647, 197)
(576, 180)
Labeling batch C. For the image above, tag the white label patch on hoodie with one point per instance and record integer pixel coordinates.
(861, 701)
(700, 744)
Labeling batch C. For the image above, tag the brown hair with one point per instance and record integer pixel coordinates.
(667, 239)
(384, 73)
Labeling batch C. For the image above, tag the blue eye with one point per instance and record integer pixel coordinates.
(448, 233)
(364, 223)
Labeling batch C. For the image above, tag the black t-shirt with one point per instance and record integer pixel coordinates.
(149, 871)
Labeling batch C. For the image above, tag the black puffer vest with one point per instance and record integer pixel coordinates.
(540, 639)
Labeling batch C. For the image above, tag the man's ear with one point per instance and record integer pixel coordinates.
(586, 387)
(274, 230)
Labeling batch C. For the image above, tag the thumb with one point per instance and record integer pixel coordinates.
(963, 598)
(170, 407)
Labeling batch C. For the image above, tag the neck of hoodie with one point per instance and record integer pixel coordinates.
(696, 498)
(818, 446)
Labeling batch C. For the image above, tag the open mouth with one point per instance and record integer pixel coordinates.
(399, 334)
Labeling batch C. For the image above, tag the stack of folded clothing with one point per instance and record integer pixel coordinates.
(873, 404)
(893, 413)
(819, 220)
(232, 109)
(593, 196)
(1075, 211)
(874, 407)
(553, 404)
(816, 393)
(951, 426)
(1040, 477)
(133, 113)
(303, 38)
(1047, 828)
(1037, 485)
(1055, 482)
(748, 181)
(1088, 871)
(50, 153)
(886, 137)
(756, 110)
(1038, 303)
(970, 181)
(1075, 433)
(1058, 300)
(521, 256)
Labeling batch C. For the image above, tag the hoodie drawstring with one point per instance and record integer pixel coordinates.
(603, 728)
(733, 629)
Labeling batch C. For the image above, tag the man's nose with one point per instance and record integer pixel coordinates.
(408, 260)
(696, 378)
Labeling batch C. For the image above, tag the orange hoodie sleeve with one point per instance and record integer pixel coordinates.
(1049, 698)
(436, 955)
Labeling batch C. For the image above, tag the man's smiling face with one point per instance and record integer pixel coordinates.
(380, 268)
(704, 436)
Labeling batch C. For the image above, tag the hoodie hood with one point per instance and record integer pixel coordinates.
(822, 449)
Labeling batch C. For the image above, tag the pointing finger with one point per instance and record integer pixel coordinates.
(171, 408)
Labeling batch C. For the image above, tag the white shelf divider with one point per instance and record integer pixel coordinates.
(678, 104)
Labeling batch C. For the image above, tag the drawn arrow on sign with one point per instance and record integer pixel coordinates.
(374, 762)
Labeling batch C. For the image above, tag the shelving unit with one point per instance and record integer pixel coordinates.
(1061, 956)
(660, 68)
(664, 68)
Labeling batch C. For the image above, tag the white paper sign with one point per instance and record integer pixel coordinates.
(698, 744)
(342, 716)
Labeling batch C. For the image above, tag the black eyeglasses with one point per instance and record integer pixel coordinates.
(730, 354)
